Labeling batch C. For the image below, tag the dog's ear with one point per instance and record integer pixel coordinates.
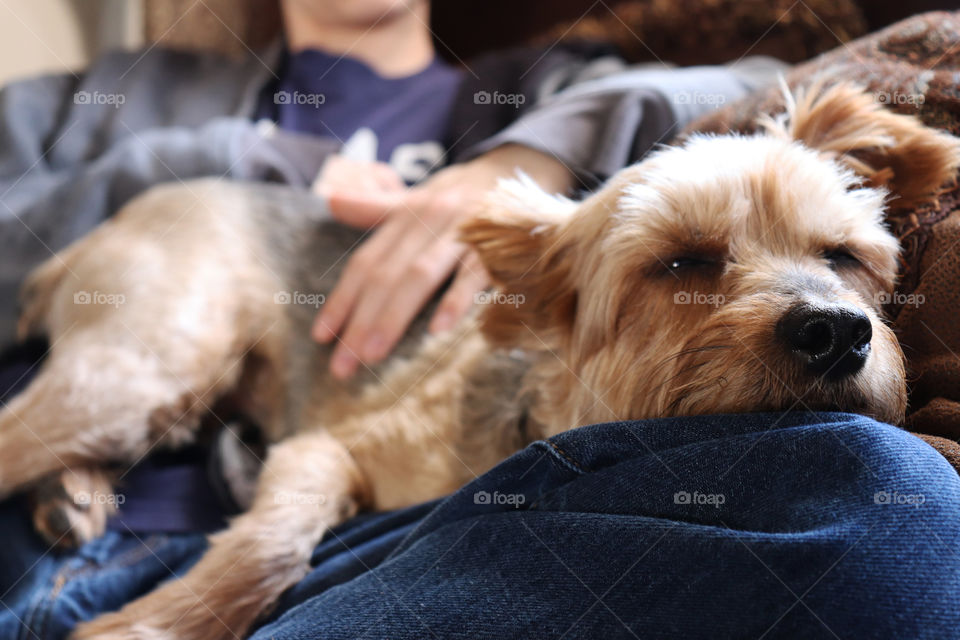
(890, 150)
(524, 243)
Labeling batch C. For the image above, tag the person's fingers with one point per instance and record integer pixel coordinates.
(364, 261)
(381, 282)
(424, 275)
(387, 178)
(334, 175)
(340, 174)
(471, 278)
(336, 307)
(344, 362)
(363, 210)
(369, 281)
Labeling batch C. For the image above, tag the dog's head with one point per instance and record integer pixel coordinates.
(727, 274)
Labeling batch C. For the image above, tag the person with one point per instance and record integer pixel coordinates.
(338, 106)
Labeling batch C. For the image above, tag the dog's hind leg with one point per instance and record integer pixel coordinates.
(100, 400)
(309, 483)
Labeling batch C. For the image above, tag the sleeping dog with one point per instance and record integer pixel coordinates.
(726, 274)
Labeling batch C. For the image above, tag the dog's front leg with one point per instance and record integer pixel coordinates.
(309, 483)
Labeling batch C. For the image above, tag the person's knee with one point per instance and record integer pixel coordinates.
(909, 518)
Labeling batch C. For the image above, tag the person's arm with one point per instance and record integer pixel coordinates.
(30, 115)
(600, 126)
(31, 112)
(585, 133)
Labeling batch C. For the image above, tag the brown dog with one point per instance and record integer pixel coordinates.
(727, 274)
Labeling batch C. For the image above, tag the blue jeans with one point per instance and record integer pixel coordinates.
(762, 525)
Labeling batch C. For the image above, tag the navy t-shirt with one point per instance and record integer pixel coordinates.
(401, 121)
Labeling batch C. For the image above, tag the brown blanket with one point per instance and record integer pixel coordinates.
(913, 67)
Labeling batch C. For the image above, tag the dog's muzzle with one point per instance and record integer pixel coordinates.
(832, 340)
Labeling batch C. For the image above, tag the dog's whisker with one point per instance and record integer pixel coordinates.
(683, 371)
(692, 350)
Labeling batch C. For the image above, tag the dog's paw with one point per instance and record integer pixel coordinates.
(72, 507)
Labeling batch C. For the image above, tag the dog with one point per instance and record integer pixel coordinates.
(726, 274)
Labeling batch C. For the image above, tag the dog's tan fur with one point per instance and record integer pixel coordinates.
(594, 335)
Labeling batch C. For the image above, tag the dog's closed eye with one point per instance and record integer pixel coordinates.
(689, 264)
(841, 258)
(686, 262)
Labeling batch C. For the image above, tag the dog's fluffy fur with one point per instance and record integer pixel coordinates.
(743, 228)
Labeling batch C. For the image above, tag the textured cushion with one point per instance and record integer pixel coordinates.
(688, 32)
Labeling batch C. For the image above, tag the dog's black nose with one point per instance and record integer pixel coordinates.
(832, 340)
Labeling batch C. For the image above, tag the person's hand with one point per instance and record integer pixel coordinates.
(341, 174)
(414, 250)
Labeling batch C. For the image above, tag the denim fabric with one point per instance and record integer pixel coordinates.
(46, 592)
(795, 525)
